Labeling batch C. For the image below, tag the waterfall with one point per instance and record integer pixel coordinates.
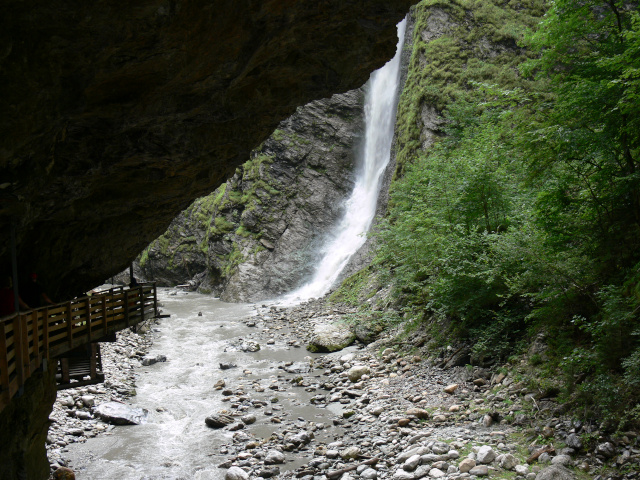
(381, 99)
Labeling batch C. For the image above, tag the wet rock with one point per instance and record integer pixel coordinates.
(249, 419)
(150, 360)
(268, 472)
(227, 365)
(274, 457)
(218, 420)
(236, 473)
(64, 473)
(120, 414)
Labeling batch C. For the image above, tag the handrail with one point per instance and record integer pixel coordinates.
(29, 338)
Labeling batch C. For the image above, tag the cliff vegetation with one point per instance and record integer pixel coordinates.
(516, 206)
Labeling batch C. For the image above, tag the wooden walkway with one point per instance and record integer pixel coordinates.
(35, 337)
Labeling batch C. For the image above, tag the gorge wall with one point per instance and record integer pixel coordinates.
(448, 46)
(257, 236)
(115, 117)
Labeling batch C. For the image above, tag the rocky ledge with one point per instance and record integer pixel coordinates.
(116, 116)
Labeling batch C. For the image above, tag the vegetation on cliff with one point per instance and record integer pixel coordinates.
(522, 212)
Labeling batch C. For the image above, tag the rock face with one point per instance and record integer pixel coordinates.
(258, 235)
(23, 429)
(116, 117)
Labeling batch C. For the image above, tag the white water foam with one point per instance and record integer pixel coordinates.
(381, 102)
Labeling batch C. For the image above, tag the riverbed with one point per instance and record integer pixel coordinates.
(201, 334)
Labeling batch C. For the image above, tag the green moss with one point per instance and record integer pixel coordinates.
(222, 225)
(144, 256)
(353, 290)
(480, 46)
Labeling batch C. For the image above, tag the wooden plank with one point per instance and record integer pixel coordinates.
(155, 300)
(69, 325)
(26, 361)
(126, 307)
(54, 338)
(103, 303)
(93, 360)
(88, 308)
(45, 336)
(17, 345)
(5, 397)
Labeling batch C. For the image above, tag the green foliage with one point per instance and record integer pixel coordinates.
(525, 214)
(447, 58)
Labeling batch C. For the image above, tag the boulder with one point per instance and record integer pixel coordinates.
(555, 472)
(236, 473)
(485, 454)
(356, 372)
(330, 338)
(120, 414)
(151, 359)
(274, 457)
(479, 470)
(466, 465)
(218, 420)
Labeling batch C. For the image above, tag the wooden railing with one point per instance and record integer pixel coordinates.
(29, 338)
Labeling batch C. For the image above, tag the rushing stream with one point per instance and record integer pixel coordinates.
(179, 394)
(350, 234)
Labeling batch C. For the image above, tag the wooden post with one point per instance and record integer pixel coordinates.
(64, 367)
(126, 307)
(45, 335)
(17, 347)
(155, 300)
(26, 360)
(93, 360)
(142, 302)
(69, 326)
(104, 314)
(4, 365)
(87, 303)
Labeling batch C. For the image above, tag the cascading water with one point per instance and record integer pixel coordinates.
(380, 114)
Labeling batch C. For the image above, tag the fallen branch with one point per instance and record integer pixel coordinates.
(546, 449)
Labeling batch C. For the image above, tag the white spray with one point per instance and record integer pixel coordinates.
(350, 234)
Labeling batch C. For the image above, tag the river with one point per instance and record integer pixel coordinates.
(180, 393)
